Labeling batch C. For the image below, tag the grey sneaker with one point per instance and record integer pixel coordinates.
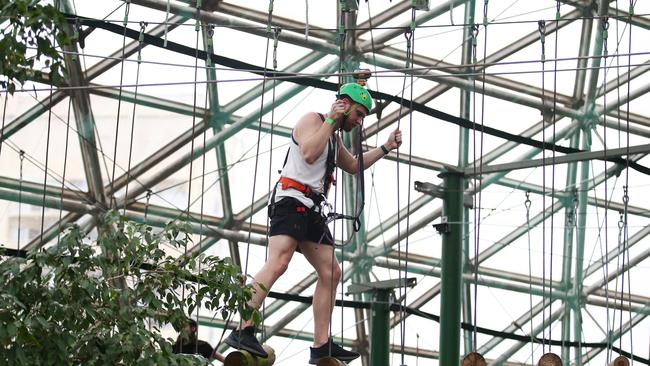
(245, 339)
(331, 349)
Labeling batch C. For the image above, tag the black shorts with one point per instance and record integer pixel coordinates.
(290, 217)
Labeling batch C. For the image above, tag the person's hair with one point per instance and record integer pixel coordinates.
(187, 337)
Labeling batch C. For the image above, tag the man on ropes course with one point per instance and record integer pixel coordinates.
(297, 218)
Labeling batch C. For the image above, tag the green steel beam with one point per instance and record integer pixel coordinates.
(564, 159)
(84, 118)
(380, 339)
(216, 18)
(47, 201)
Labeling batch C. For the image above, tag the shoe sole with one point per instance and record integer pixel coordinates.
(345, 360)
(240, 346)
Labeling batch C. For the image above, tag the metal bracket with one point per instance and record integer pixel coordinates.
(421, 4)
(359, 288)
(349, 5)
(443, 226)
(430, 189)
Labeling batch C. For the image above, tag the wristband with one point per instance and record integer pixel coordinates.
(330, 121)
(384, 149)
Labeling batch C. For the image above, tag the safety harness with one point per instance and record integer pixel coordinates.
(328, 180)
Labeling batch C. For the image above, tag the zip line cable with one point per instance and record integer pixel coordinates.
(143, 25)
(542, 37)
(47, 160)
(20, 196)
(257, 151)
(65, 165)
(478, 179)
(475, 178)
(207, 41)
(410, 50)
(626, 249)
(408, 34)
(276, 32)
(553, 152)
(604, 32)
(119, 98)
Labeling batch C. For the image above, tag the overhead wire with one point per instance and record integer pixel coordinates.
(207, 41)
(65, 165)
(408, 183)
(604, 31)
(626, 249)
(20, 196)
(47, 160)
(542, 37)
(373, 191)
(257, 151)
(503, 21)
(398, 71)
(408, 34)
(554, 121)
(276, 31)
(119, 99)
(143, 26)
(478, 178)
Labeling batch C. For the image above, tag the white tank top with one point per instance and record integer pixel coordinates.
(308, 174)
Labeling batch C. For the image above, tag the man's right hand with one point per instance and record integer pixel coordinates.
(337, 112)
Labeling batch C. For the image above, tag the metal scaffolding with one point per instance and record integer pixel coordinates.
(498, 75)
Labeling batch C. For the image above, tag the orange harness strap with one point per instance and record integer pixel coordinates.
(287, 183)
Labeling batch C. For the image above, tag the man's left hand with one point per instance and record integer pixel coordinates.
(394, 140)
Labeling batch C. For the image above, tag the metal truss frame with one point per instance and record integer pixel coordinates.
(569, 293)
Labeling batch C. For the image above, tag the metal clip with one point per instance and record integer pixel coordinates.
(325, 208)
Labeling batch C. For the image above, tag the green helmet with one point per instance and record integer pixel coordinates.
(358, 94)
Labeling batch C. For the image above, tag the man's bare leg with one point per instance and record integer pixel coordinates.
(281, 249)
(322, 258)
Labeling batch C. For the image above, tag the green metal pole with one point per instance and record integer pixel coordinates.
(450, 294)
(380, 342)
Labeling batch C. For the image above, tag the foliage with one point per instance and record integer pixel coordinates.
(27, 24)
(64, 305)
